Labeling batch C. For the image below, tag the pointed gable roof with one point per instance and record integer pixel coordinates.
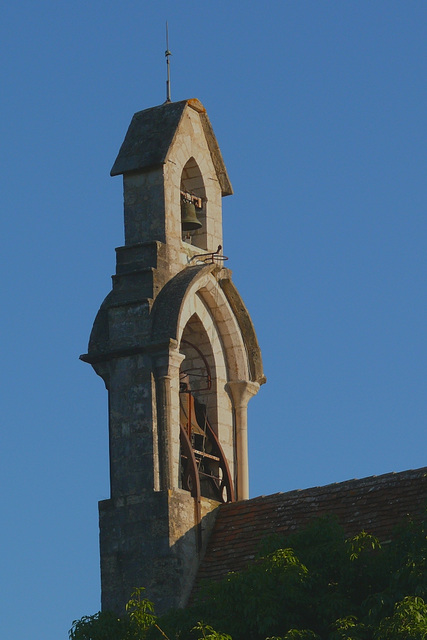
(151, 133)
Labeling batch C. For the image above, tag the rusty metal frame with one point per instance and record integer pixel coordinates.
(214, 257)
(205, 362)
(192, 466)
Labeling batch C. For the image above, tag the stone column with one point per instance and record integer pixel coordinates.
(241, 392)
(166, 371)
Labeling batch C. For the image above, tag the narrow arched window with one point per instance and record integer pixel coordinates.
(193, 205)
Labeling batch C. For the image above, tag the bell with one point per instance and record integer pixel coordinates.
(189, 219)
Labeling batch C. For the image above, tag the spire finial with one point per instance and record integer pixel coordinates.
(167, 54)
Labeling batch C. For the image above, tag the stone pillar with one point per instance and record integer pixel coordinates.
(166, 371)
(241, 392)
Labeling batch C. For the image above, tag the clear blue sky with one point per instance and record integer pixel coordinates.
(320, 111)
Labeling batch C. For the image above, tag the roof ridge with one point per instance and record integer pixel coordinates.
(374, 479)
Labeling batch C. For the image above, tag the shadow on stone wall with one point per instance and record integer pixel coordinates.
(152, 541)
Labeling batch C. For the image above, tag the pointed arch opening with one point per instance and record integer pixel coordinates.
(204, 468)
(196, 306)
(193, 205)
(198, 367)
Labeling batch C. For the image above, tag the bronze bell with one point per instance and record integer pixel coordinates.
(189, 220)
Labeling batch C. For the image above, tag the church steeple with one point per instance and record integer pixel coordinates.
(178, 354)
(168, 151)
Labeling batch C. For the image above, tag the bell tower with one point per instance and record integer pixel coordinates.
(178, 353)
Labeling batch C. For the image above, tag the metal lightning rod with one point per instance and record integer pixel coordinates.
(167, 54)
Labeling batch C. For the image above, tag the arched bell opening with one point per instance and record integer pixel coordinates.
(198, 368)
(193, 205)
(204, 468)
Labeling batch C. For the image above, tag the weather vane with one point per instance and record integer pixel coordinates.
(167, 54)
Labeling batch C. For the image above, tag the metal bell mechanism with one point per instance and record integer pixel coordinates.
(189, 220)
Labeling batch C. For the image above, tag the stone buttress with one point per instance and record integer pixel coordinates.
(177, 351)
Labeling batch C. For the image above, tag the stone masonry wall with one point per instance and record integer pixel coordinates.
(152, 541)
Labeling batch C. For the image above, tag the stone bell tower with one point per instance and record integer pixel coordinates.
(178, 353)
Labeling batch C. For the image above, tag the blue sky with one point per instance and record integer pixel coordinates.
(320, 112)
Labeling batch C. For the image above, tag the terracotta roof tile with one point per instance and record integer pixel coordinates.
(376, 504)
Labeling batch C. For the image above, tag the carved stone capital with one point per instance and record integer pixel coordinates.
(242, 391)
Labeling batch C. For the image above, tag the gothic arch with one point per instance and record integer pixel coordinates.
(176, 304)
(193, 191)
(220, 322)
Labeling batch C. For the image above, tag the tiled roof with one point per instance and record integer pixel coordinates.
(375, 504)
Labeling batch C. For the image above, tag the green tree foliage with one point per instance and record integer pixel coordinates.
(134, 625)
(101, 626)
(138, 623)
(409, 620)
(209, 633)
(312, 585)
